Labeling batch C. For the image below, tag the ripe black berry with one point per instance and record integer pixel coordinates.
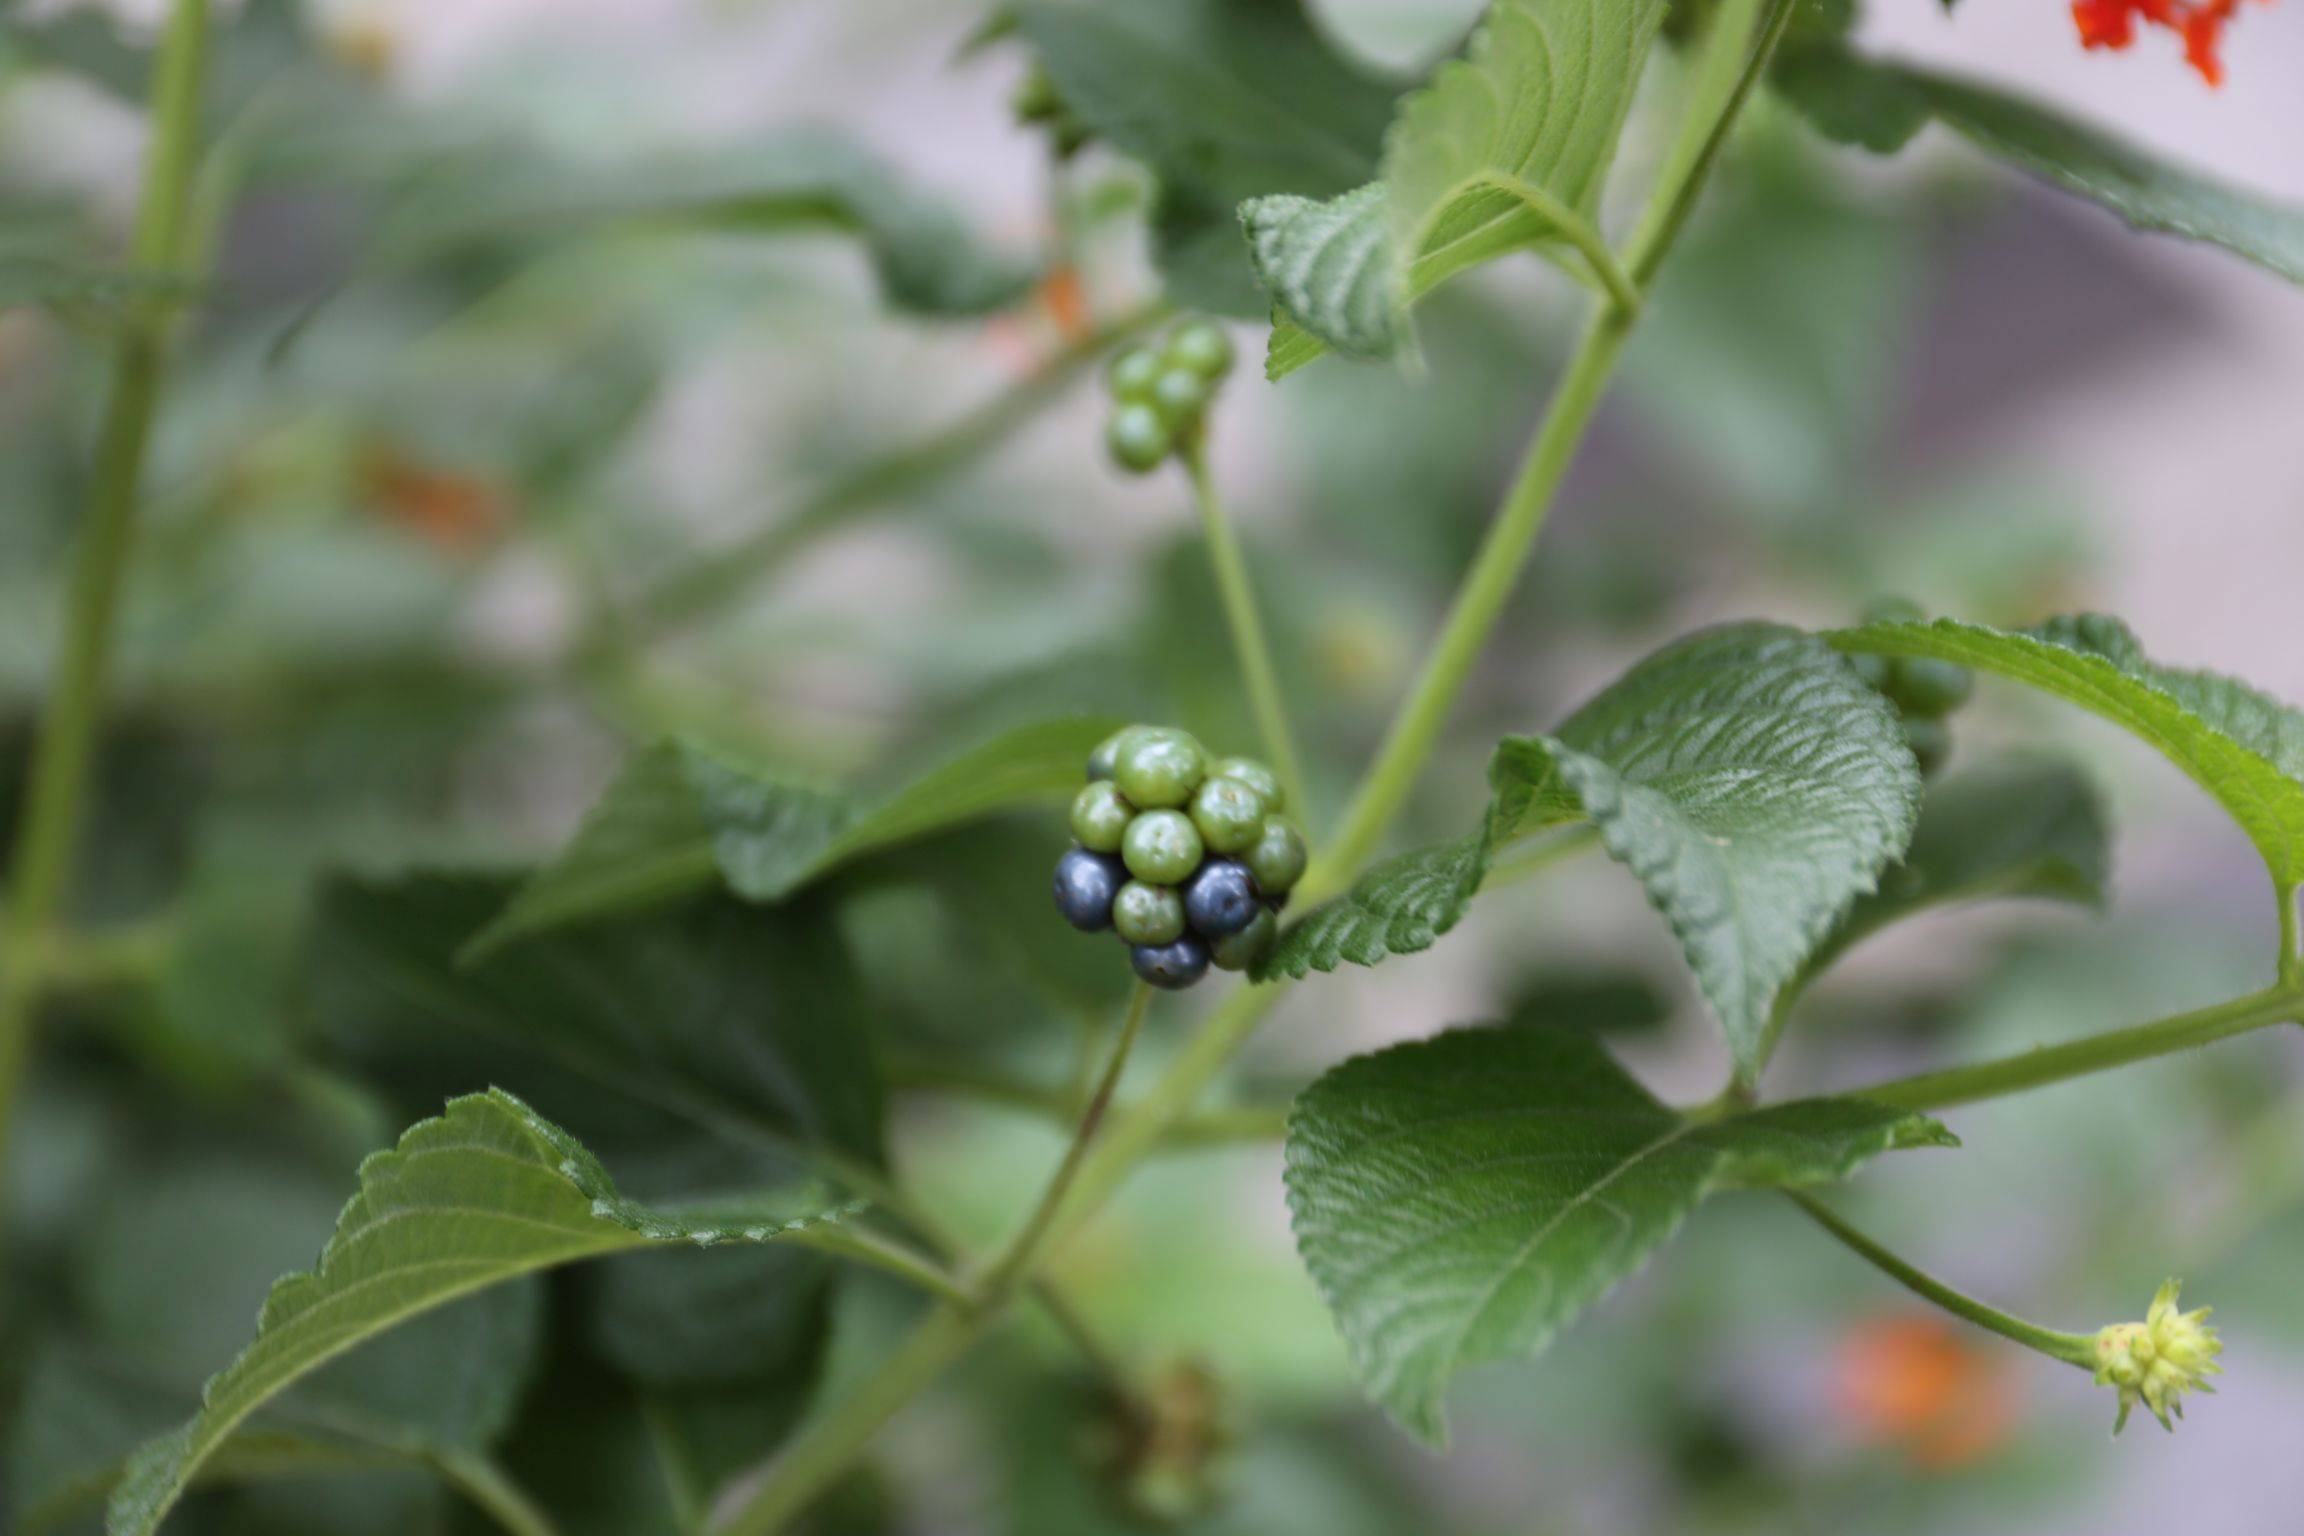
(1085, 885)
(1221, 899)
(1172, 967)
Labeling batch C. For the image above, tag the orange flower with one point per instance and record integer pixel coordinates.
(2112, 24)
(1910, 1381)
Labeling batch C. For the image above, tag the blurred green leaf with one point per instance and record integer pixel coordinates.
(2242, 746)
(1507, 149)
(1225, 100)
(1460, 1199)
(485, 1193)
(74, 288)
(677, 818)
(1744, 775)
(1881, 106)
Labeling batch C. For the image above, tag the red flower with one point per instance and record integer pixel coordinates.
(2112, 24)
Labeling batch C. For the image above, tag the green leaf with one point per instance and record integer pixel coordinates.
(1460, 1199)
(75, 288)
(2021, 828)
(1744, 774)
(927, 259)
(1507, 149)
(1224, 100)
(486, 1192)
(678, 818)
(1881, 106)
(2244, 747)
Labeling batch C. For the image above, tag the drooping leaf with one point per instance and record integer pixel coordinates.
(1458, 1200)
(1505, 150)
(927, 259)
(2242, 746)
(1745, 775)
(678, 818)
(1881, 106)
(1225, 100)
(2019, 828)
(486, 1192)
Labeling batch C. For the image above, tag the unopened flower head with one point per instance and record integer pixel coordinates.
(2155, 1362)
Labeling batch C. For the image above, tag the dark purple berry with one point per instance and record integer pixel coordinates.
(1221, 898)
(1172, 967)
(1085, 885)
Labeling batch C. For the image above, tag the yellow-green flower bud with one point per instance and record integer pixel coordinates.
(2155, 1362)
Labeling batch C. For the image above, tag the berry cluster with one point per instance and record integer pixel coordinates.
(1923, 689)
(1186, 858)
(1159, 395)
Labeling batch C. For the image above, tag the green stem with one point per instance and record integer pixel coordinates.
(48, 831)
(2291, 948)
(1246, 623)
(2071, 1348)
(2097, 1053)
(886, 1254)
(493, 1492)
(717, 577)
(1215, 1127)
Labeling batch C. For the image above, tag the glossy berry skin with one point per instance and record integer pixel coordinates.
(1172, 967)
(1106, 758)
(1201, 346)
(1928, 688)
(1162, 847)
(1160, 768)
(1931, 743)
(1085, 885)
(1221, 899)
(1256, 776)
(1229, 814)
(1238, 951)
(1138, 438)
(1133, 373)
(1179, 395)
(1148, 914)
(1100, 817)
(1277, 861)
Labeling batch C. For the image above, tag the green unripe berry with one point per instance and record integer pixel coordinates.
(1201, 346)
(1229, 814)
(1138, 438)
(1279, 856)
(1238, 951)
(1179, 395)
(1100, 817)
(1160, 768)
(1256, 776)
(1162, 847)
(1148, 914)
(1133, 373)
(1107, 754)
(1929, 688)
(1931, 743)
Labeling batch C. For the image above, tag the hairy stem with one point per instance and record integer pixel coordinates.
(717, 577)
(2071, 1348)
(49, 827)
(2096, 1053)
(2291, 948)
(1242, 617)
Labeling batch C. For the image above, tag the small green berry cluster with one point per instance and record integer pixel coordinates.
(1924, 690)
(1188, 858)
(1160, 394)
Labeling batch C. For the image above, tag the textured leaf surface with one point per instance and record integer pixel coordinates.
(1460, 1199)
(1225, 100)
(2023, 828)
(1880, 107)
(487, 1191)
(1745, 775)
(1505, 150)
(2242, 746)
(677, 818)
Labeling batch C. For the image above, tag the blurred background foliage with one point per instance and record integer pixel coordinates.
(522, 422)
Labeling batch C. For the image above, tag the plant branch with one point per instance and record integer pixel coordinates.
(2071, 1348)
(2096, 1053)
(883, 1253)
(1249, 643)
(492, 1490)
(49, 828)
(1213, 1127)
(2291, 947)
